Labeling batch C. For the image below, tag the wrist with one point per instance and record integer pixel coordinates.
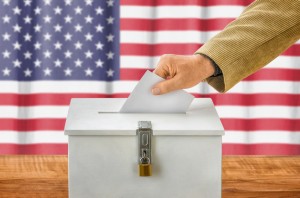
(206, 64)
(216, 68)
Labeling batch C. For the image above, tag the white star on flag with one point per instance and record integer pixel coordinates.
(68, 2)
(88, 72)
(6, 71)
(57, 10)
(99, 28)
(27, 19)
(68, 54)
(68, 19)
(57, 28)
(110, 55)
(78, 28)
(17, 63)
(27, 55)
(27, 72)
(110, 38)
(110, 3)
(78, 10)
(27, 37)
(17, 28)
(47, 54)
(110, 73)
(78, 63)
(37, 63)
(6, 37)
(88, 37)
(110, 20)
(88, 2)
(47, 2)
(47, 19)
(6, 54)
(88, 19)
(27, 2)
(58, 45)
(37, 45)
(37, 11)
(78, 45)
(17, 45)
(99, 63)
(47, 72)
(58, 63)
(68, 37)
(68, 72)
(6, 2)
(37, 28)
(88, 54)
(99, 46)
(6, 19)
(99, 10)
(17, 10)
(47, 37)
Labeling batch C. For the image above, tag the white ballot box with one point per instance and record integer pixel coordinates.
(143, 155)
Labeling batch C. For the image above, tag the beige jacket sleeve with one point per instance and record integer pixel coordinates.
(264, 30)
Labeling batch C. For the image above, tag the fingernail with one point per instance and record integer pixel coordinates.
(155, 91)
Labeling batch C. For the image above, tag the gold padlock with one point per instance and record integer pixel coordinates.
(144, 145)
(145, 170)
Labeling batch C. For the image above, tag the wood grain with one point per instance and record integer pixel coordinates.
(261, 176)
(243, 176)
(33, 176)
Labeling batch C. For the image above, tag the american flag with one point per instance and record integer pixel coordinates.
(55, 50)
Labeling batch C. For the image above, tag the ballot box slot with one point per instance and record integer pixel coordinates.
(114, 112)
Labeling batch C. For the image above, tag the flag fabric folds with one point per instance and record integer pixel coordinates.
(55, 50)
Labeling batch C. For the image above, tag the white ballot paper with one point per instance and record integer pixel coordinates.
(141, 100)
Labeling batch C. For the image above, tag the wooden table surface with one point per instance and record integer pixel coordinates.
(243, 176)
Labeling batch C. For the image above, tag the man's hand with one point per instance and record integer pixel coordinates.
(181, 72)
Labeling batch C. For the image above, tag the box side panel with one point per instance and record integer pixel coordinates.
(183, 166)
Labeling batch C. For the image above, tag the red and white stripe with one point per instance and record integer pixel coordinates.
(261, 114)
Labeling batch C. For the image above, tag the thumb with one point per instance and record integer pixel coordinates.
(166, 86)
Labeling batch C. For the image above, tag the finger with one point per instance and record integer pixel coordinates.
(160, 71)
(166, 86)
